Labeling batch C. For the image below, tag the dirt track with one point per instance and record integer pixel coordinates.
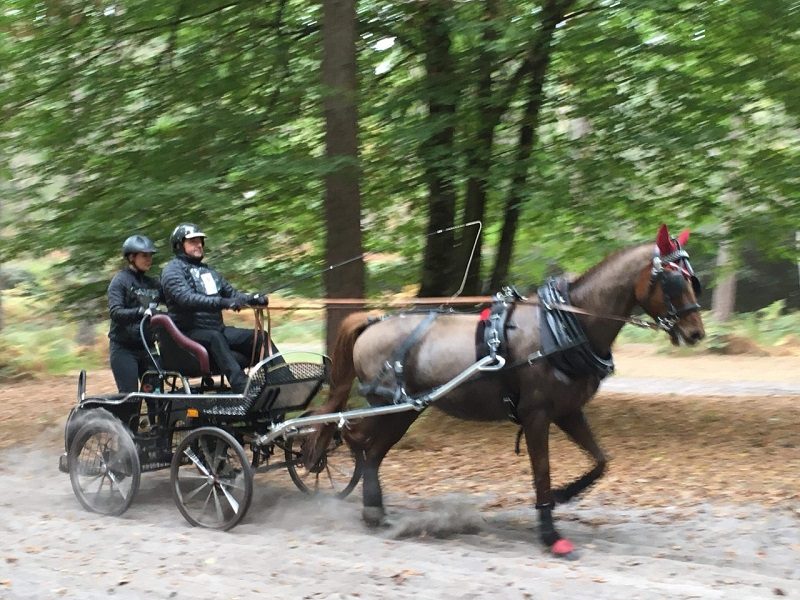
(702, 501)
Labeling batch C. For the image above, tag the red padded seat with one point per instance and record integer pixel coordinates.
(178, 351)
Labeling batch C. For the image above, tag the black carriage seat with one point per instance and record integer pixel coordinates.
(181, 354)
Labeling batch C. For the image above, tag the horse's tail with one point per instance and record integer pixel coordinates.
(342, 375)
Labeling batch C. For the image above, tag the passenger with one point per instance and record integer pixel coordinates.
(131, 293)
(195, 295)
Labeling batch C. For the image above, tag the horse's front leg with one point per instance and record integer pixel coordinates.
(577, 428)
(537, 439)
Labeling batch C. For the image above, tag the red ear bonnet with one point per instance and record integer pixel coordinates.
(663, 242)
(683, 237)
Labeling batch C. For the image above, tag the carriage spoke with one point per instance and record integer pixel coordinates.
(92, 478)
(330, 476)
(100, 486)
(232, 484)
(118, 464)
(205, 502)
(231, 500)
(123, 491)
(213, 489)
(336, 473)
(217, 504)
(104, 467)
(188, 496)
(220, 459)
(193, 457)
(207, 456)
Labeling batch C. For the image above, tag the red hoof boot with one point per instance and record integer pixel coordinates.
(563, 548)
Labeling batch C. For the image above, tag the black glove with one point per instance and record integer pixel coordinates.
(232, 304)
(259, 300)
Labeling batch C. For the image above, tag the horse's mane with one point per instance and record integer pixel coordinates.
(608, 262)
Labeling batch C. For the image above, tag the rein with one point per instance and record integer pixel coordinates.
(258, 330)
(635, 321)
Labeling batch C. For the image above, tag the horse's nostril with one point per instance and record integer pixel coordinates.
(697, 336)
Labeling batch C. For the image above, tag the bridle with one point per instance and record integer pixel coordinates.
(673, 272)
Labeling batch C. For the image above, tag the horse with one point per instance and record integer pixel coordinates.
(418, 353)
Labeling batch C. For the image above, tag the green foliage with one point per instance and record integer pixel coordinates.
(769, 326)
(119, 120)
(37, 342)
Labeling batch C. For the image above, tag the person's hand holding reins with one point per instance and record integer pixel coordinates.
(232, 304)
(259, 300)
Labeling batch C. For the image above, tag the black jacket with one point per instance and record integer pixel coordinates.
(130, 292)
(194, 294)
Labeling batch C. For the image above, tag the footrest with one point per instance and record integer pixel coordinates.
(226, 407)
(285, 386)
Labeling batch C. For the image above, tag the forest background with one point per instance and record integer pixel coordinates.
(300, 135)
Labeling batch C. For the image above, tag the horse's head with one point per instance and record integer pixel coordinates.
(668, 290)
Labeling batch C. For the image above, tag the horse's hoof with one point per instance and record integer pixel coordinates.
(374, 516)
(563, 548)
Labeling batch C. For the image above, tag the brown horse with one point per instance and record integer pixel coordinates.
(543, 389)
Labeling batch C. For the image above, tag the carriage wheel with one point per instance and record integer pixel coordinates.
(336, 474)
(104, 467)
(212, 482)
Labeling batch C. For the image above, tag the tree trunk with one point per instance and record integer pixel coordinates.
(2, 288)
(342, 193)
(86, 335)
(540, 59)
(479, 153)
(797, 247)
(723, 300)
(438, 151)
(2, 275)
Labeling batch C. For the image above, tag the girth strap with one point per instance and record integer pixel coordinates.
(396, 365)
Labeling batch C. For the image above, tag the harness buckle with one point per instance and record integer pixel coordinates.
(532, 358)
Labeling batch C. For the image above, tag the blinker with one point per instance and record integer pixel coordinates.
(672, 283)
(697, 287)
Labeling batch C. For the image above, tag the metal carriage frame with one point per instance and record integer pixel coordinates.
(201, 438)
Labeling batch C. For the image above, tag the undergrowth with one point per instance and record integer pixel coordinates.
(36, 342)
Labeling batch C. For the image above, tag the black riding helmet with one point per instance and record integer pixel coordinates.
(138, 243)
(182, 232)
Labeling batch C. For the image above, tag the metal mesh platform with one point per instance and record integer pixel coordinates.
(273, 388)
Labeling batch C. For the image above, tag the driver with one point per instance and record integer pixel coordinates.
(196, 293)
(130, 294)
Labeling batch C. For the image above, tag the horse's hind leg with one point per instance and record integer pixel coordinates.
(375, 436)
(576, 427)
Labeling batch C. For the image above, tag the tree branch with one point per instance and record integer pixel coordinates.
(172, 22)
(63, 80)
(172, 41)
(585, 11)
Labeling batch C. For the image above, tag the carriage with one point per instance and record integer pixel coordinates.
(185, 419)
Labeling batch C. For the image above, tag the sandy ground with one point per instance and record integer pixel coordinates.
(702, 500)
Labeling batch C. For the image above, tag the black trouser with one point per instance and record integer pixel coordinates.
(128, 365)
(220, 344)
